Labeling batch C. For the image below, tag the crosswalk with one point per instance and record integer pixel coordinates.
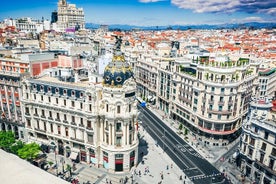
(98, 177)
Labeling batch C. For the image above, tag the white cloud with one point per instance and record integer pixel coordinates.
(149, 1)
(252, 19)
(228, 6)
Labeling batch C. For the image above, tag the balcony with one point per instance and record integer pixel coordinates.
(75, 139)
(39, 130)
(57, 119)
(221, 103)
(65, 121)
(223, 112)
(89, 129)
(73, 123)
(81, 126)
(50, 118)
(211, 101)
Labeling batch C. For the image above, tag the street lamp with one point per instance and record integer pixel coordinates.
(164, 135)
(56, 160)
(62, 162)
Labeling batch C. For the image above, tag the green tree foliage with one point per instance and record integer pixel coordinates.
(29, 151)
(6, 140)
(16, 146)
(180, 126)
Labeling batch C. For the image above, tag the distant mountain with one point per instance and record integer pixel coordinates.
(252, 25)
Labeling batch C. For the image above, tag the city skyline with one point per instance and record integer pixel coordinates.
(151, 12)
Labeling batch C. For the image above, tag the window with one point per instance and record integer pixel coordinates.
(42, 113)
(52, 129)
(88, 124)
(263, 146)
(41, 97)
(56, 100)
(49, 99)
(222, 90)
(35, 96)
(81, 121)
(45, 128)
(72, 103)
(65, 117)
(66, 132)
(28, 122)
(58, 129)
(81, 105)
(90, 107)
(231, 90)
(118, 127)
(90, 138)
(106, 107)
(129, 108)
(213, 89)
(118, 109)
(50, 114)
(73, 118)
(89, 97)
(37, 124)
(266, 135)
(64, 102)
(219, 116)
(220, 108)
(58, 116)
(118, 141)
(195, 101)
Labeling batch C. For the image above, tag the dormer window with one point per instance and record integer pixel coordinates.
(56, 90)
(73, 93)
(81, 94)
(49, 89)
(64, 92)
(41, 88)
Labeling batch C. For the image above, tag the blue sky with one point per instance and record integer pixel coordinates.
(151, 12)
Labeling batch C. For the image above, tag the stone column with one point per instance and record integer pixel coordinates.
(127, 134)
(110, 134)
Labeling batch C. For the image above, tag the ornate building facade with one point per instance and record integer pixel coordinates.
(93, 123)
(258, 142)
(209, 97)
(69, 16)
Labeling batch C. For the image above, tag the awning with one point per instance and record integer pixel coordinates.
(74, 155)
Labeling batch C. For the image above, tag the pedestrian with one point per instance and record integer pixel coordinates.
(167, 167)
(171, 166)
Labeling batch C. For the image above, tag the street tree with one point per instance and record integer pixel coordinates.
(6, 140)
(16, 146)
(29, 151)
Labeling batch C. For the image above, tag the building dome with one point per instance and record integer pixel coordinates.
(117, 71)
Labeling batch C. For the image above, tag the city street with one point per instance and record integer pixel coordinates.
(197, 168)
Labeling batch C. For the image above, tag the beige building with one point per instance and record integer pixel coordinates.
(210, 98)
(69, 16)
(258, 142)
(93, 123)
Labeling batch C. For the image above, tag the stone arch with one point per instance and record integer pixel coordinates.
(3, 127)
(9, 128)
(60, 147)
(222, 77)
(16, 132)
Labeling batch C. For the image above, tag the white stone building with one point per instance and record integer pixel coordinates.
(93, 123)
(69, 16)
(258, 142)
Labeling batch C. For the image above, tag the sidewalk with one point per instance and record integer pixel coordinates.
(158, 163)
